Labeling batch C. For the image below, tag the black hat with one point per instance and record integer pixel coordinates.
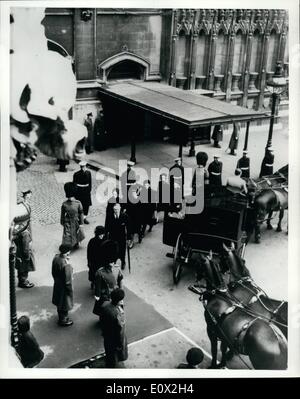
(202, 158)
(117, 295)
(110, 251)
(90, 114)
(64, 248)
(194, 356)
(26, 192)
(70, 189)
(24, 324)
(99, 230)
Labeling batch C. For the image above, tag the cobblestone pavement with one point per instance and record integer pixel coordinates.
(47, 185)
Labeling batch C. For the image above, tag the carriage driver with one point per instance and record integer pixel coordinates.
(236, 183)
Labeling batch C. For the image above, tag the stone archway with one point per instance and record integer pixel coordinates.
(124, 65)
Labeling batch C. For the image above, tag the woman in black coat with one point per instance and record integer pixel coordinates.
(95, 253)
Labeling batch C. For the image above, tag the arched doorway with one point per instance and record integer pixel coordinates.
(124, 65)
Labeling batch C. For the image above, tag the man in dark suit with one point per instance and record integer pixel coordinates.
(148, 199)
(113, 328)
(215, 171)
(83, 182)
(127, 179)
(116, 227)
(62, 273)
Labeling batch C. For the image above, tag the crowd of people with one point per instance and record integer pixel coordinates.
(131, 209)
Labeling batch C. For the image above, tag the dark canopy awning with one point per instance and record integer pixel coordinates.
(190, 109)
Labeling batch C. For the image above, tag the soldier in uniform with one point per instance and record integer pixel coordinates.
(25, 261)
(201, 158)
(113, 327)
(215, 171)
(71, 217)
(267, 163)
(100, 135)
(217, 135)
(62, 273)
(176, 176)
(234, 139)
(88, 123)
(244, 164)
(83, 181)
(108, 277)
(127, 179)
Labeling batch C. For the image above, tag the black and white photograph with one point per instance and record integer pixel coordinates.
(147, 223)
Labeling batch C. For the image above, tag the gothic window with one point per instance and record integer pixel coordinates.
(221, 53)
(239, 53)
(201, 54)
(273, 51)
(181, 54)
(256, 52)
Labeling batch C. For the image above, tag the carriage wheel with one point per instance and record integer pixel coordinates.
(177, 262)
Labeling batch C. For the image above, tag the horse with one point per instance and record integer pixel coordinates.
(236, 327)
(266, 202)
(246, 291)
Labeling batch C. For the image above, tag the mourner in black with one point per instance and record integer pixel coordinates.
(113, 328)
(217, 135)
(267, 163)
(234, 139)
(127, 179)
(95, 255)
(116, 228)
(83, 181)
(148, 206)
(202, 159)
(176, 175)
(134, 210)
(62, 273)
(88, 123)
(114, 199)
(28, 348)
(194, 357)
(244, 164)
(163, 193)
(215, 171)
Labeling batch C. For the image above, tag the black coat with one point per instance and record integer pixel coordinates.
(117, 230)
(217, 134)
(94, 256)
(215, 173)
(83, 194)
(113, 327)
(244, 165)
(62, 273)
(148, 205)
(29, 350)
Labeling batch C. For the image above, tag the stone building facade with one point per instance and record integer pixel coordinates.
(230, 52)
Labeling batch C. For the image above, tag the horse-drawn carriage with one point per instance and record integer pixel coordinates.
(226, 218)
(223, 220)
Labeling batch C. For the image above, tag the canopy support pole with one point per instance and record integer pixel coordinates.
(133, 150)
(192, 149)
(246, 136)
